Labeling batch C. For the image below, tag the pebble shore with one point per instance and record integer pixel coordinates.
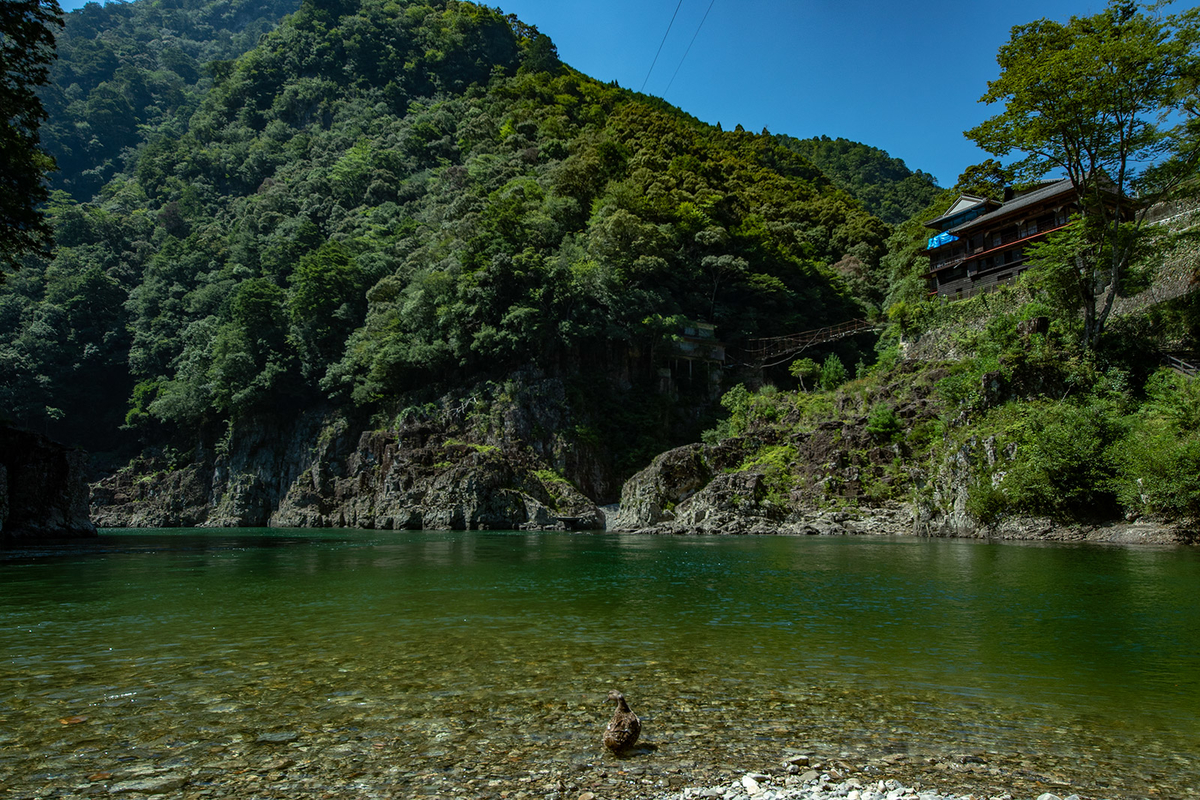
(810, 785)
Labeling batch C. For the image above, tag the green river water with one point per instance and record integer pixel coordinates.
(286, 663)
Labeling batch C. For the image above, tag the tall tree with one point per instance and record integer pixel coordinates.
(1094, 99)
(26, 51)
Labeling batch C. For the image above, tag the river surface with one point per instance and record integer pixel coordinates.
(285, 663)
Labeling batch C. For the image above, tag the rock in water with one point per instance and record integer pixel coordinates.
(624, 728)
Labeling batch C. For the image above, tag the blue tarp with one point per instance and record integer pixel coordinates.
(941, 239)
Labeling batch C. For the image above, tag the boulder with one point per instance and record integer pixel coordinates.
(650, 496)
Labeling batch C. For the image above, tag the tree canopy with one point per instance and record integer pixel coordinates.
(375, 197)
(1097, 99)
(884, 185)
(26, 52)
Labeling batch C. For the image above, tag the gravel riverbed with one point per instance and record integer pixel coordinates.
(285, 765)
(810, 786)
(457, 748)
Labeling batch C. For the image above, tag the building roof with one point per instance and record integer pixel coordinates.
(1047, 192)
(964, 203)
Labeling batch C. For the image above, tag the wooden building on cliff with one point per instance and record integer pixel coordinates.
(981, 242)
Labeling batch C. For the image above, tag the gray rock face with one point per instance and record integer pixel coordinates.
(464, 464)
(685, 490)
(821, 488)
(651, 496)
(43, 494)
(146, 496)
(417, 478)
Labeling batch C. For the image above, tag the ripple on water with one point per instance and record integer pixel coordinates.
(428, 663)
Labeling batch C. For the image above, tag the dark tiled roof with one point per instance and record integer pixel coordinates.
(951, 214)
(1017, 203)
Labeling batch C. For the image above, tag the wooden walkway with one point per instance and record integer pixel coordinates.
(775, 350)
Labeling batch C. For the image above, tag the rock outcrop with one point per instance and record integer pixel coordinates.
(845, 475)
(417, 478)
(43, 493)
(148, 494)
(694, 490)
(837, 474)
(495, 462)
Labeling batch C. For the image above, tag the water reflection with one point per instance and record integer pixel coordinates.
(450, 638)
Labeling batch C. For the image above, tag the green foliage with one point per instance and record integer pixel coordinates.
(776, 465)
(370, 199)
(986, 502)
(483, 449)
(884, 185)
(803, 368)
(883, 424)
(128, 68)
(549, 477)
(1094, 98)
(326, 300)
(746, 411)
(1062, 469)
(1160, 460)
(833, 373)
(987, 179)
(555, 485)
(27, 32)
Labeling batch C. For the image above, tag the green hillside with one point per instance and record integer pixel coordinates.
(884, 185)
(379, 198)
(126, 67)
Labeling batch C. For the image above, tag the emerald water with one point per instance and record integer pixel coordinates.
(348, 663)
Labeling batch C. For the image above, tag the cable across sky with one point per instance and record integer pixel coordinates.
(660, 45)
(689, 47)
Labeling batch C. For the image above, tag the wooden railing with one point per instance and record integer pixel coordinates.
(1181, 366)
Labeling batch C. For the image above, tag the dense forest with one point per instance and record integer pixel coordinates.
(320, 262)
(884, 185)
(378, 199)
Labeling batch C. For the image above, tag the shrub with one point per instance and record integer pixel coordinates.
(833, 373)
(1062, 466)
(1159, 461)
(883, 424)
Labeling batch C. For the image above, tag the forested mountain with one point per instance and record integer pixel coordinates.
(884, 185)
(124, 66)
(377, 198)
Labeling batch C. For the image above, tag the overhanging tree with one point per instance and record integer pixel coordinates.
(1102, 100)
(26, 50)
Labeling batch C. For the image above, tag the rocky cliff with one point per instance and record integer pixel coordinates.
(706, 489)
(497, 459)
(684, 492)
(43, 494)
(850, 468)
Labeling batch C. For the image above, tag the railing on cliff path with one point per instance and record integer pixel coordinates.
(777, 349)
(1179, 365)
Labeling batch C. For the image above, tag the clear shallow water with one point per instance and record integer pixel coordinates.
(374, 663)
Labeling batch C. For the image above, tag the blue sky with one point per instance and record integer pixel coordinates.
(905, 77)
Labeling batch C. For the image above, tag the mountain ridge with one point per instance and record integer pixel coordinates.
(378, 204)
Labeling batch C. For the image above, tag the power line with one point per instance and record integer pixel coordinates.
(660, 46)
(689, 47)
